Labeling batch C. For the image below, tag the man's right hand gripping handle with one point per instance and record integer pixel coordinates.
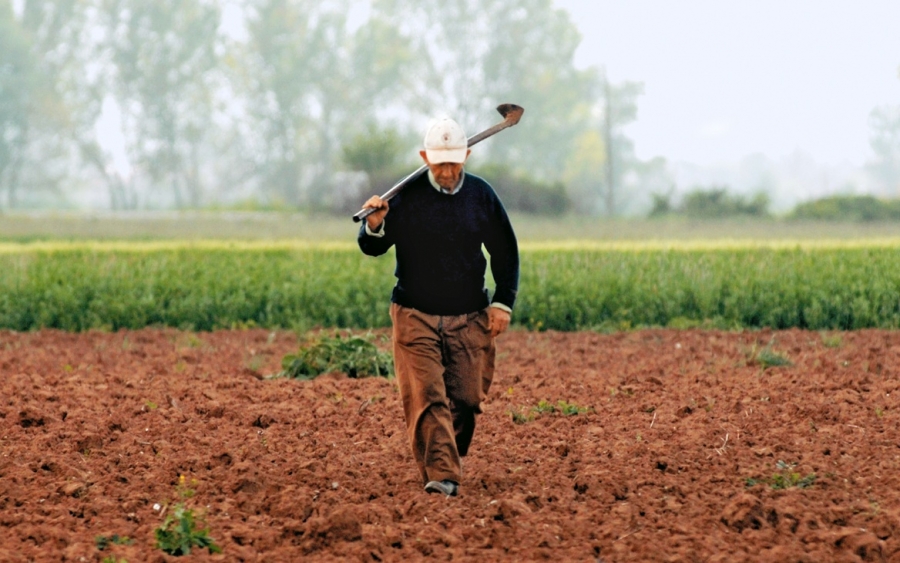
(375, 220)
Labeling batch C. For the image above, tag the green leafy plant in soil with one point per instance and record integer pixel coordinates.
(355, 355)
(181, 531)
(785, 478)
(766, 357)
(565, 408)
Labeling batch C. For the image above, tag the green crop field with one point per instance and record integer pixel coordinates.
(200, 285)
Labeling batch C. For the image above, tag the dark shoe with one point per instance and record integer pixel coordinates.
(445, 487)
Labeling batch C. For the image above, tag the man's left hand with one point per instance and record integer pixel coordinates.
(498, 320)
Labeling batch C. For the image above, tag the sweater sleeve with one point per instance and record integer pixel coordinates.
(375, 244)
(501, 244)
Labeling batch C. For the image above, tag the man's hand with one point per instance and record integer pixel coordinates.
(498, 320)
(377, 218)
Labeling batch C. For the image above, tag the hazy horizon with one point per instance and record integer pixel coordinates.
(311, 103)
(723, 81)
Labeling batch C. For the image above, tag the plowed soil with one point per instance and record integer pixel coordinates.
(693, 448)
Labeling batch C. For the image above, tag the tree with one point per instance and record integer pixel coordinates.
(885, 141)
(583, 169)
(884, 122)
(379, 153)
(619, 109)
(71, 43)
(284, 38)
(310, 84)
(84, 80)
(31, 110)
(484, 52)
(163, 57)
(17, 81)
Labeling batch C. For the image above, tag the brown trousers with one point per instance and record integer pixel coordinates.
(444, 365)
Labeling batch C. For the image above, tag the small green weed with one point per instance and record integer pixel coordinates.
(255, 363)
(570, 409)
(546, 407)
(875, 507)
(180, 531)
(766, 357)
(788, 480)
(521, 418)
(785, 478)
(191, 340)
(357, 356)
(832, 340)
(104, 542)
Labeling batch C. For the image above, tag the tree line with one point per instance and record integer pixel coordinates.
(302, 104)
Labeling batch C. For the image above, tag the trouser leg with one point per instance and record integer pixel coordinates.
(418, 363)
(469, 370)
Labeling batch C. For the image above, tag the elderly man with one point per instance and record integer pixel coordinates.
(444, 323)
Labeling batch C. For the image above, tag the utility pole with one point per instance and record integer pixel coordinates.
(610, 195)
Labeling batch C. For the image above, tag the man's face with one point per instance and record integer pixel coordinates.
(446, 174)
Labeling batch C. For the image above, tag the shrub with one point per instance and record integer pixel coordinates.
(851, 208)
(662, 205)
(381, 154)
(716, 202)
(523, 193)
(710, 203)
(356, 356)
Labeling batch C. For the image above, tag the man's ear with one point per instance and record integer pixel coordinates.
(424, 156)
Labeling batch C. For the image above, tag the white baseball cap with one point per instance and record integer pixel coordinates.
(446, 141)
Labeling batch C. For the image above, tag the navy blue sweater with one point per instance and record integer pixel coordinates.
(437, 239)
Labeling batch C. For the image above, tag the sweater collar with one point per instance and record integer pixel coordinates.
(437, 186)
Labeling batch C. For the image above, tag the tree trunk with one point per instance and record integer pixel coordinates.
(610, 195)
(15, 169)
(192, 181)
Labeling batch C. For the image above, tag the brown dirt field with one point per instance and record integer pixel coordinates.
(96, 428)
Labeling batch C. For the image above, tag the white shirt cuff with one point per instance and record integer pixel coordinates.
(379, 233)
(502, 307)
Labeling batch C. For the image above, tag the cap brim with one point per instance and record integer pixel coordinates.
(457, 156)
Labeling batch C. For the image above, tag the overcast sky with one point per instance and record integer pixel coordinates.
(726, 78)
